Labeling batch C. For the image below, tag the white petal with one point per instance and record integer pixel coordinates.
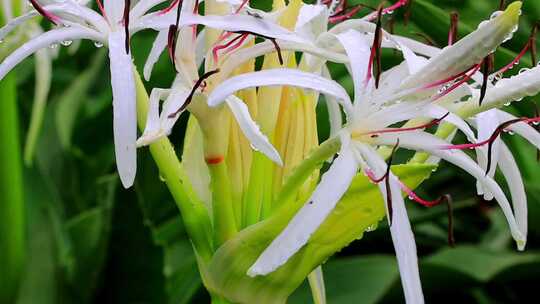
(511, 173)
(7, 10)
(152, 130)
(115, 11)
(333, 185)
(400, 228)
(157, 48)
(279, 77)
(358, 51)
(251, 130)
(486, 123)
(175, 101)
(468, 51)
(124, 108)
(42, 41)
(521, 128)
(334, 111)
(421, 141)
(241, 22)
(312, 21)
(142, 7)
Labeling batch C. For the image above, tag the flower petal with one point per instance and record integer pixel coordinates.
(468, 51)
(333, 185)
(124, 108)
(152, 130)
(42, 41)
(400, 229)
(521, 128)
(157, 49)
(251, 130)
(280, 77)
(358, 51)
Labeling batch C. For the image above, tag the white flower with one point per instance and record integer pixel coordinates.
(405, 92)
(113, 28)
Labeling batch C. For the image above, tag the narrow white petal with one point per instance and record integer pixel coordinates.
(486, 123)
(251, 130)
(142, 7)
(42, 41)
(510, 170)
(526, 83)
(421, 141)
(468, 51)
(279, 77)
(115, 11)
(312, 21)
(400, 229)
(175, 101)
(358, 51)
(124, 108)
(334, 111)
(7, 9)
(521, 128)
(152, 130)
(241, 22)
(333, 185)
(157, 48)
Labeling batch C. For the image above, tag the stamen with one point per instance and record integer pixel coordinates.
(271, 39)
(420, 127)
(193, 90)
(375, 56)
(386, 178)
(453, 32)
(487, 68)
(502, 5)
(241, 6)
(171, 43)
(215, 50)
(48, 15)
(127, 7)
(443, 199)
(101, 8)
(492, 138)
(466, 78)
(408, 13)
(214, 160)
(339, 16)
(387, 10)
(531, 44)
(237, 44)
(169, 8)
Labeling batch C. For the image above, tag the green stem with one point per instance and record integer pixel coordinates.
(253, 200)
(222, 206)
(12, 211)
(193, 211)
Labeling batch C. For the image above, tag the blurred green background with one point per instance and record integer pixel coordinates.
(90, 241)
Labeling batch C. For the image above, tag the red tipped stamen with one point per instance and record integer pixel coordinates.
(169, 8)
(101, 8)
(408, 13)
(127, 7)
(530, 45)
(388, 10)
(420, 127)
(375, 55)
(443, 199)
(487, 68)
(48, 15)
(492, 138)
(217, 48)
(386, 178)
(171, 43)
(193, 90)
(465, 78)
(453, 32)
(341, 15)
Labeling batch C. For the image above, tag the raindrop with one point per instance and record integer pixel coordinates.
(161, 178)
(98, 44)
(66, 42)
(53, 45)
(507, 104)
(371, 228)
(536, 123)
(510, 132)
(523, 70)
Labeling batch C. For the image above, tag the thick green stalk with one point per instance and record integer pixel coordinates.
(193, 211)
(222, 207)
(254, 198)
(12, 211)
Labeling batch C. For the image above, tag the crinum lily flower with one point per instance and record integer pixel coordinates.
(118, 21)
(406, 92)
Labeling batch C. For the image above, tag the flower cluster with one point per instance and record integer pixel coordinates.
(250, 128)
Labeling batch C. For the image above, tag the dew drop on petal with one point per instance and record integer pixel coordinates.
(98, 44)
(53, 45)
(66, 42)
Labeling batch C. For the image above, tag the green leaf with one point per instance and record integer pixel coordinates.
(348, 280)
(359, 210)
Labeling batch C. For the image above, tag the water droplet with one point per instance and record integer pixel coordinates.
(98, 44)
(371, 228)
(53, 45)
(161, 178)
(536, 123)
(510, 132)
(66, 42)
(523, 70)
(507, 104)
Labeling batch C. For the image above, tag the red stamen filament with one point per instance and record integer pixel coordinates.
(217, 48)
(48, 15)
(453, 32)
(169, 8)
(466, 78)
(375, 55)
(101, 8)
(396, 130)
(388, 10)
(345, 15)
(199, 82)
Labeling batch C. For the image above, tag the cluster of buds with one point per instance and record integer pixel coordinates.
(251, 153)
